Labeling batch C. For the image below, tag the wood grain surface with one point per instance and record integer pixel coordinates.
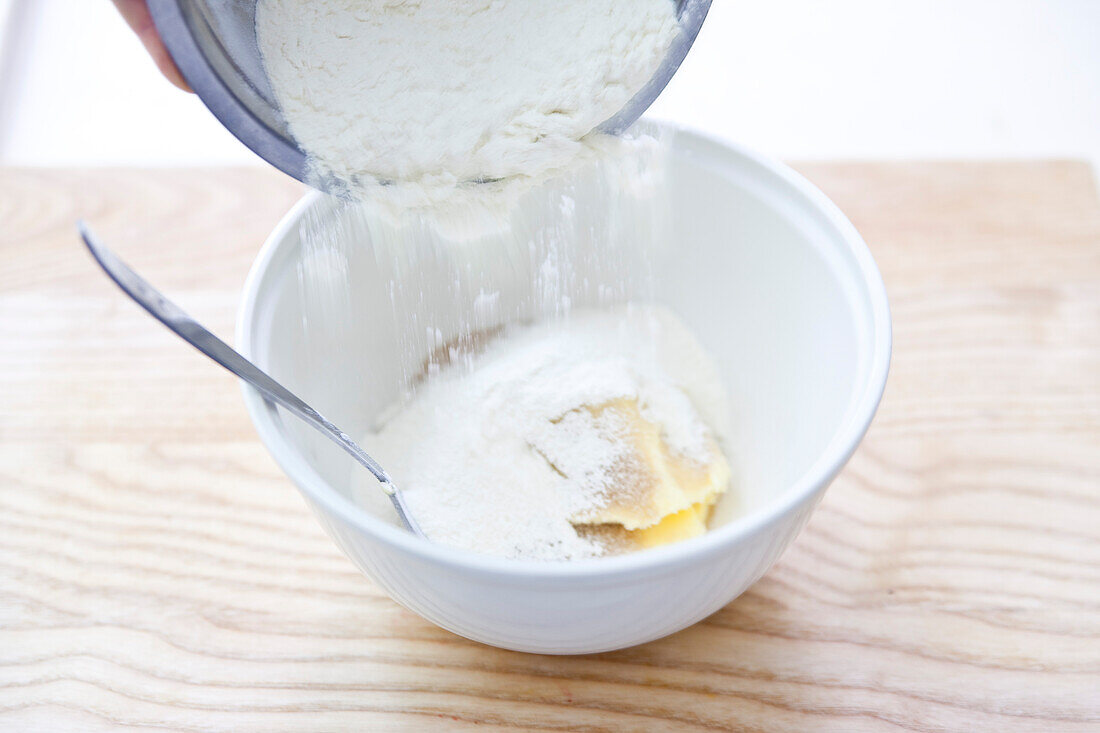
(157, 571)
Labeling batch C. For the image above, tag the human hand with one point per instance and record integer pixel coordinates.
(136, 14)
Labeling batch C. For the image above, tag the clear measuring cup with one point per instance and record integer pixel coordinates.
(213, 42)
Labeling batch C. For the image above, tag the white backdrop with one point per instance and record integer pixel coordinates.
(793, 78)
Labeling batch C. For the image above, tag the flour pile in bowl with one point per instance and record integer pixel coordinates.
(561, 440)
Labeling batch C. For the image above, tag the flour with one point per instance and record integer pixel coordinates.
(436, 94)
(496, 452)
(509, 444)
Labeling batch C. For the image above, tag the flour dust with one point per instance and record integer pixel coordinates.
(454, 274)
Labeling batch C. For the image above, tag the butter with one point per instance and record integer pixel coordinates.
(652, 483)
(651, 495)
(682, 525)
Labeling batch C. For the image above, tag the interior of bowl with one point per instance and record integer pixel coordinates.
(772, 280)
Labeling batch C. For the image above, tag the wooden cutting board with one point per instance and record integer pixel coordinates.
(157, 570)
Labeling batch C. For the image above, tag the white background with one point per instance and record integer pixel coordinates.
(793, 78)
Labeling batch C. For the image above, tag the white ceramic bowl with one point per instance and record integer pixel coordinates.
(774, 281)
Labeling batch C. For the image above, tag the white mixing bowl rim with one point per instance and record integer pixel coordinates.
(266, 418)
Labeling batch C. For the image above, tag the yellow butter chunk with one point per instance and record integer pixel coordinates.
(683, 525)
(651, 483)
(643, 484)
